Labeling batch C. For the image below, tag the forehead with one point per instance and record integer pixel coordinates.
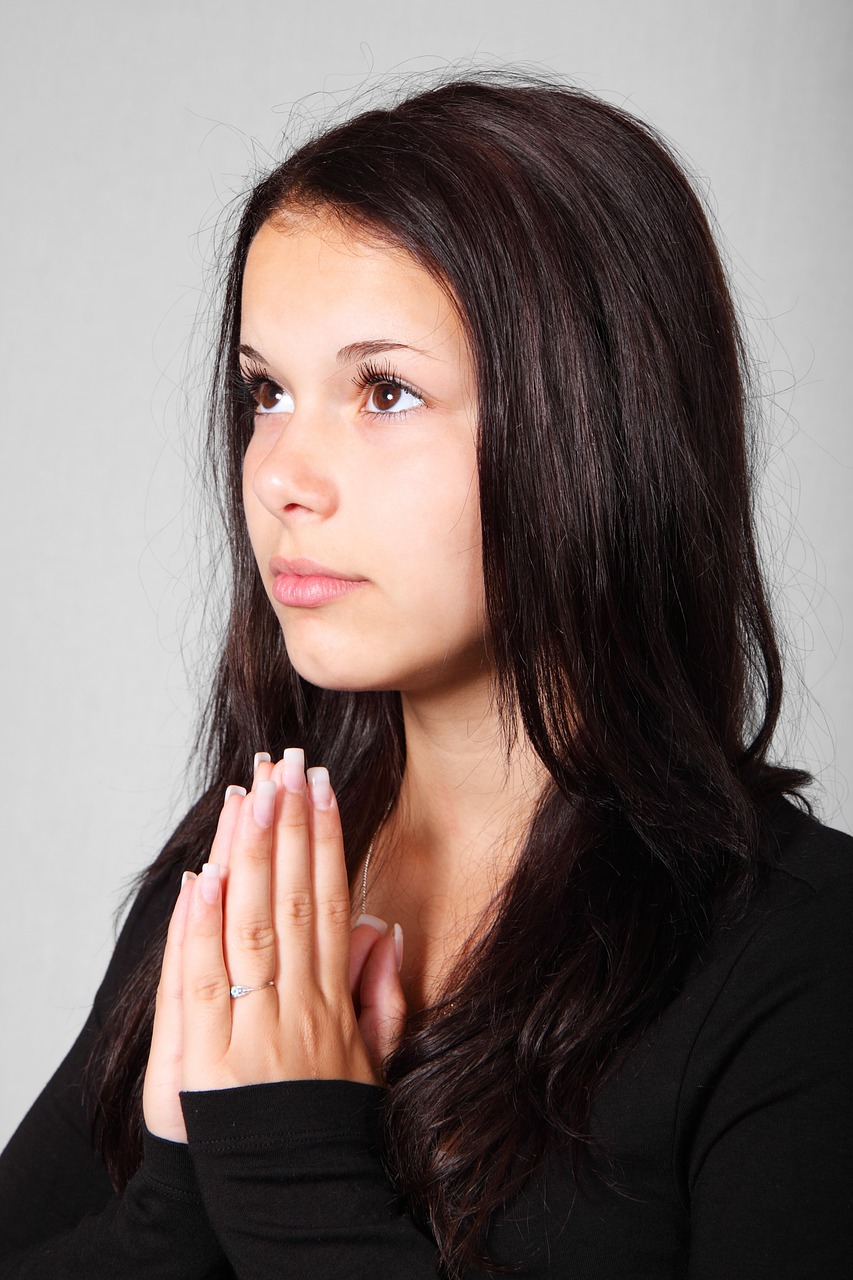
(310, 270)
(297, 247)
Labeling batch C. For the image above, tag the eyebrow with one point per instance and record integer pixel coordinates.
(355, 350)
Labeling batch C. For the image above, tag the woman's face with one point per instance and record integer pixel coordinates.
(371, 480)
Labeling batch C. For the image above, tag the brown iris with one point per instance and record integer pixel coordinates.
(268, 395)
(386, 395)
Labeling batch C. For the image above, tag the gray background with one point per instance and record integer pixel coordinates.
(127, 128)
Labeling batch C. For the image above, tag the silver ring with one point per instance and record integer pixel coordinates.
(236, 992)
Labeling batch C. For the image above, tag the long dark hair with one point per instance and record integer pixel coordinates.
(630, 627)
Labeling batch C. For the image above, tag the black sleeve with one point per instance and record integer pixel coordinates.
(771, 1173)
(156, 1230)
(294, 1185)
(59, 1215)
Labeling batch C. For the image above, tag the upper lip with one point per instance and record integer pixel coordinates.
(302, 568)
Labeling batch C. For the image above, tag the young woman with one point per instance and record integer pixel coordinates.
(550, 977)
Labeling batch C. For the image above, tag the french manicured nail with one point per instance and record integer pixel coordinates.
(293, 769)
(398, 946)
(375, 923)
(210, 881)
(261, 757)
(234, 791)
(188, 875)
(263, 802)
(321, 788)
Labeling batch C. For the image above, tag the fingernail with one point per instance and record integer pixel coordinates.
(321, 788)
(188, 875)
(293, 769)
(375, 923)
(234, 791)
(261, 757)
(210, 881)
(398, 946)
(263, 802)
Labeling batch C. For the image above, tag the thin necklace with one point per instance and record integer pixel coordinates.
(369, 856)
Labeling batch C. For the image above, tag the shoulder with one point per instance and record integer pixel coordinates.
(781, 975)
(767, 1016)
(806, 855)
(763, 1021)
(799, 918)
(779, 981)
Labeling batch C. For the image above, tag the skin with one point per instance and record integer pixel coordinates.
(379, 484)
(391, 499)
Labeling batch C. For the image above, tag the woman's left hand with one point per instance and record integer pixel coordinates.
(273, 914)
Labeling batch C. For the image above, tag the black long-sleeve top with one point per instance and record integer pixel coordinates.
(730, 1125)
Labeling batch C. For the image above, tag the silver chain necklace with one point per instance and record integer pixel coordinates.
(364, 873)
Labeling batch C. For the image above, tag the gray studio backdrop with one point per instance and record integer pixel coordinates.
(127, 129)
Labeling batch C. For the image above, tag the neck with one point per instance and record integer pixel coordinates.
(463, 804)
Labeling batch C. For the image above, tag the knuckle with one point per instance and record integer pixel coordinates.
(208, 988)
(168, 991)
(256, 935)
(294, 814)
(161, 998)
(336, 910)
(296, 829)
(297, 908)
(256, 851)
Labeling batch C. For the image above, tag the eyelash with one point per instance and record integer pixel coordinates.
(250, 380)
(253, 377)
(371, 375)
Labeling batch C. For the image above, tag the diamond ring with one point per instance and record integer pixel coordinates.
(236, 991)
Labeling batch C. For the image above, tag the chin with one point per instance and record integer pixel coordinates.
(338, 671)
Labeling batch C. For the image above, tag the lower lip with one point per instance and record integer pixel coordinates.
(312, 590)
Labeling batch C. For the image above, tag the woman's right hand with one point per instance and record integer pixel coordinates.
(373, 977)
(161, 1103)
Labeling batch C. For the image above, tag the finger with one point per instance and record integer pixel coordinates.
(382, 1019)
(220, 850)
(366, 932)
(293, 897)
(171, 972)
(161, 1106)
(205, 985)
(262, 758)
(332, 905)
(249, 937)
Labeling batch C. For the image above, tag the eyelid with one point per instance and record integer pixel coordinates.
(368, 375)
(252, 372)
(253, 376)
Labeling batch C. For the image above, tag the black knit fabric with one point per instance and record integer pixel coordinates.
(729, 1131)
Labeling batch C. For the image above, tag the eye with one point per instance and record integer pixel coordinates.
(270, 398)
(388, 393)
(267, 396)
(388, 397)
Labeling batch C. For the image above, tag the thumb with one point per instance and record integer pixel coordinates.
(383, 1004)
(366, 932)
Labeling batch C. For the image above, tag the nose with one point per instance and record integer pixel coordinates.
(290, 470)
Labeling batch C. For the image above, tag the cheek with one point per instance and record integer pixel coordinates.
(251, 460)
(438, 556)
(254, 512)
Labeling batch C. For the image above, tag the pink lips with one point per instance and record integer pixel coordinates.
(305, 583)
